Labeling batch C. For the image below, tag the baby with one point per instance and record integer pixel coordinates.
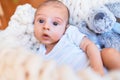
(63, 42)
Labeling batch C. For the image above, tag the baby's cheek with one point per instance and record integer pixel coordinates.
(37, 34)
(60, 35)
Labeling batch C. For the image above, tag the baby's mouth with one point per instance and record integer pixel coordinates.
(45, 36)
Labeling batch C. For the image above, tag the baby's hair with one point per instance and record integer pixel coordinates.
(49, 2)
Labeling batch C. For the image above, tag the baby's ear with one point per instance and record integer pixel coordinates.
(33, 21)
(67, 26)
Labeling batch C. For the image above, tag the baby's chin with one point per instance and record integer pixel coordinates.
(46, 42)
(49, 43)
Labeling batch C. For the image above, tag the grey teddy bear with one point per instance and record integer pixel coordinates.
(103, 26)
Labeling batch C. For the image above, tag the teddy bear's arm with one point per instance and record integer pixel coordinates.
(116, 28)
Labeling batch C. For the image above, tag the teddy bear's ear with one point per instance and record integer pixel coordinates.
(114, 8)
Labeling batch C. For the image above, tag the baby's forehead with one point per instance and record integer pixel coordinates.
(53, 4)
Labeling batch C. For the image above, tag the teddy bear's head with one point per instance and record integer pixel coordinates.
(100, 19)
(103, 18)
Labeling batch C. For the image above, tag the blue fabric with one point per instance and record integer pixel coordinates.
(116, 28)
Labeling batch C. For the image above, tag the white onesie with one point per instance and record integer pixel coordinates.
(67, 50)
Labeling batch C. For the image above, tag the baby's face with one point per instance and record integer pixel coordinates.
(50, 24)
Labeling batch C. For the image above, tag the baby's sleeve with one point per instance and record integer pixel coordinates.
(74, 35)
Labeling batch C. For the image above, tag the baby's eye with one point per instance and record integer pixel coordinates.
(55, 23)
(41, 21)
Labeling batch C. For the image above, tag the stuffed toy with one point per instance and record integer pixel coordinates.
(97, 19)
(103, 23)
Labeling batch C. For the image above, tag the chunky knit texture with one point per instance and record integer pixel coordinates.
(21, 27)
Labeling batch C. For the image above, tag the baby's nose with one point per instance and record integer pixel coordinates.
(46, 27)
